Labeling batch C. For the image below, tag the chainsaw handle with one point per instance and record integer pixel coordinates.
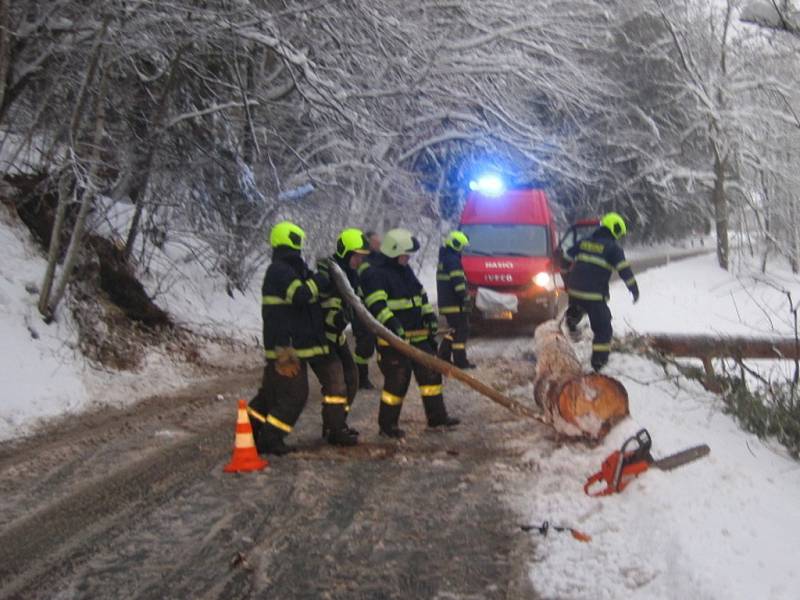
(614, 484)
(591, 481)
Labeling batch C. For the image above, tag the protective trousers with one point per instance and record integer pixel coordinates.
(454, 345)
(365, 347)
(279, 402)
(349, 371)
(600, 321)
(397, 369)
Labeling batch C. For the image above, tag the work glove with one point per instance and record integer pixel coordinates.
(635, 293)
(288, 363)
(466, 304)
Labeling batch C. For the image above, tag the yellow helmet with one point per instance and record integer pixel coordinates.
(288, 234)
(351, 240)
(397, 242)
(457, 240)
(615, 224)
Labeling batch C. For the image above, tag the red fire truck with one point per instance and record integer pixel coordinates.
(514, 260)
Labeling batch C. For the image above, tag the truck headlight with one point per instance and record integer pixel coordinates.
(544, 280)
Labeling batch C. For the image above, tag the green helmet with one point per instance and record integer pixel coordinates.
(457, 240)
(351, 240)
(615, 224)
(397, 242)
(288, 234)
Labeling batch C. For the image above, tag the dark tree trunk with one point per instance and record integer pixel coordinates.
(720, 201)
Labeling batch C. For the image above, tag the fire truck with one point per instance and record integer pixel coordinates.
(515, 261)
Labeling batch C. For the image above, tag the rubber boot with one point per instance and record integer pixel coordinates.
(446, 349)
(333, 419)
(598, 365)
(342, 437)
(363, 378)
(388, 417)
(437, 413)
(460, 360)
(270, 441)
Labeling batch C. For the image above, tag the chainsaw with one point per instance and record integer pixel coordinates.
(624, 465)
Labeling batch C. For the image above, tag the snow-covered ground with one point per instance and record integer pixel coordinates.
(44, 375)
(674, 248)
(696, 296)
(39, 367)
(724, 527)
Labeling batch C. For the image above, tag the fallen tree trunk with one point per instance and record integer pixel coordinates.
(577, 404)
(423, 358)
(707, 346)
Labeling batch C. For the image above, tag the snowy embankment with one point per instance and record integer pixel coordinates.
(44, 375)
(724, 527)
(671, 249)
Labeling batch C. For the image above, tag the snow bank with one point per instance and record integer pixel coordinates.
(42, 373)
(674, 248)
(39, 372)
(179, 282)
(696, 296)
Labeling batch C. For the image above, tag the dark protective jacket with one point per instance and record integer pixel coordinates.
(396, 298)
(337, 313)
(366, 264)
(290, 307)
(596, 258)
(451, 284)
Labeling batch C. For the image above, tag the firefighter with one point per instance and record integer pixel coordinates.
(397, 299)
(294, 340)
(351, 248)
(451, 286)
(595, 259)
(365, 339)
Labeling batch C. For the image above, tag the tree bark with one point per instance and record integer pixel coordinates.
(76, 239)
(5, 48)
(706, 346)
(64, 188)
(143, 164)
(423, 358)
(720, 201)
(577, 404)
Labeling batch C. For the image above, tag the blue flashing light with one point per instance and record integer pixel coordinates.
(489, 185)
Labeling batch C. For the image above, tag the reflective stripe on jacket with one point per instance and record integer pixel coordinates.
(337, 313)
(451, 283)
(596, 259)
(290, 307)
(394, 295)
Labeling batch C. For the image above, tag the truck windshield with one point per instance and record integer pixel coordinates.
(506, 240)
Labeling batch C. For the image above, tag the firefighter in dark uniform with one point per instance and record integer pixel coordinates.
(365, 339)
(294, 339)
(397, 299)
(596, 258)
(451, 286)
(351, 248)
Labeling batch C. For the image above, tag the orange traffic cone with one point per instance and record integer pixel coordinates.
(245, 457)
